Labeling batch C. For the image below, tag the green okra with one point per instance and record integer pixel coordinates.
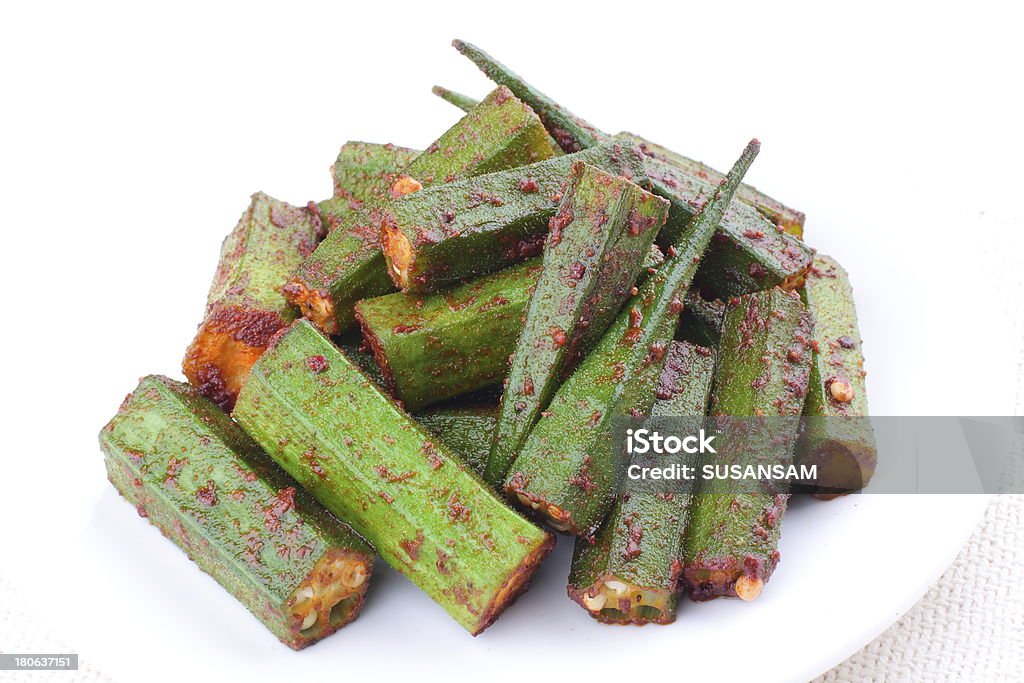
(463, 102)
(431, 347)
(789, 220)
(764, 361)
(424, 511)
(570, 131)
(212, 491)
(596, 244)
(443, 235)
(363, 172)
(245, 307)
(435, 346)
(629, 572)
(348, 265)
(837, 435)
(749, 252)
(569, 469)
(701, 321)
(465, 428)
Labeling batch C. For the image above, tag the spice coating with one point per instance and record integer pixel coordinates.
(245, 307)
(389, 478)
(212, 491)
(605, 228)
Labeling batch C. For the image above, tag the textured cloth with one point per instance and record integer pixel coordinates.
(970, 625)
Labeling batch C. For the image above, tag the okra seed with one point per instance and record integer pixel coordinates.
(841, 391)
(354, 576)
(595, 603)
(748, 589)
(309, 620)
(303, 594)
(617, 587)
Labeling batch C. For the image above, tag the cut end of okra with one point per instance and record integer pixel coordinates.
(614, 600)
(229, 341)
(317, 306)
(210, 489)
(552, 515)
(399, 253)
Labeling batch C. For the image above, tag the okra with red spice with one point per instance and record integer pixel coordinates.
(749, 252)
(441, 236)
(210, 489)
(363, 171)
(701, 322)
(465, 428)
(596, 244)
(569, 469)
(431, 347)
(245, 307)
(423, 510)
(837, 435)
(629, 572)
(348, 265)
(789, 220)
(764, 361)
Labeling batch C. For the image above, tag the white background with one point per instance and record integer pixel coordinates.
(132, 136)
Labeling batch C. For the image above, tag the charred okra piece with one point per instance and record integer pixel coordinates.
(837, 436)
(245, 307)
(424, 511)
(596, 244)
(629, 573)
(789, 220)
(431, 347)
(465, 429)
(210, 489)
(362, 172)
(569, 468)
(440, 236)
(749, 253)
(348, 265)
(763, 366)
(701, 322)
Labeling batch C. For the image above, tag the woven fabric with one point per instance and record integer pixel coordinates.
(970, 625)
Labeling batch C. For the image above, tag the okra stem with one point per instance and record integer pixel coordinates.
(463, 102)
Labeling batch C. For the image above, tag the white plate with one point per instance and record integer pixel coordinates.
(849, 568)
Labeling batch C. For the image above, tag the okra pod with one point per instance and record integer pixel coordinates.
(431, 347)
(362, 172)
(435, 346)
(425, 512)
(210, 489)
(701, 321)
(629, 573)
(569, 470)
(245, 307)
(748, 254)
(465, 429)
(440, 236)
(837, 435)
(570, 131)
(348, 265)
(789, 220)
(595, 248)
(764, 361)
